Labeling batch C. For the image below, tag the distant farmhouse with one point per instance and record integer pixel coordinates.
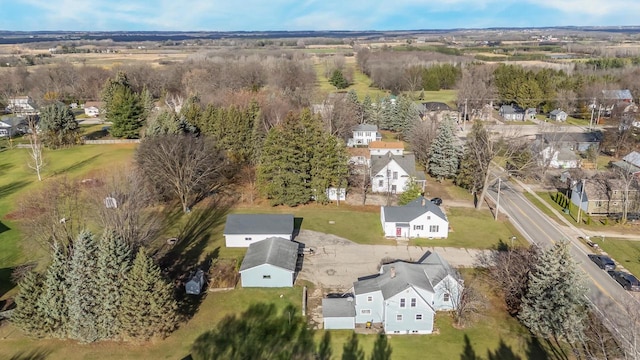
(22, 106)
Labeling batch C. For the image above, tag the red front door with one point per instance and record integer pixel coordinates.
(398, 231)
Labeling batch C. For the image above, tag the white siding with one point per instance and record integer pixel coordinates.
(391, 178)
(426, 225)
(384, 151)
(266, 275)
(246, 240)
(449, 286)
(369, 310)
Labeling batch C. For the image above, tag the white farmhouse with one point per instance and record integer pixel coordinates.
(364, 134)
(392, 173)
(418, 219)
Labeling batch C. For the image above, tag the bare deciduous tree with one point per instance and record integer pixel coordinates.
(36, 160)
(476, 87)
(421, 136)
(185, 168)
(469, 303)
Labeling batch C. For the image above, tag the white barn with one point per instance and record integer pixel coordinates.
(242, 230)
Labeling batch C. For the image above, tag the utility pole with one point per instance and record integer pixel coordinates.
(498, 200)
(598, 118)
(580, 203)
(593, 108)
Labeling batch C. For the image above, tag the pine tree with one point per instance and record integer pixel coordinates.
(53, 301)
(444, 153)
(27, 315)
(82, 293)
(58, 126)
(329, 167)
(148, 308)
(338, 80)
(381, 348)
(126, 113)
(555, 305)
(114, 262)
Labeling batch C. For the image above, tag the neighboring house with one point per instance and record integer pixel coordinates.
(384, 147)
(617, 95)
(572, 141)
(437, 110)
(22, 105)
(418, 219)
(630, 163)
(603, 196)
(560, 158)
(511, 113)
(558, 115)
(403, 297)
(10, 126)
(359, 156)
(364, 134)
(392, 173)
(530, 114)
(242, 230)
(93, 108)
(270, 263)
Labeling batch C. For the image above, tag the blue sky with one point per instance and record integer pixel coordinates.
(230, 15)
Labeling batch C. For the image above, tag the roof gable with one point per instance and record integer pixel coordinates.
(366, 127)
(412, 210)
(274, 251)
(276, 224)
(406, 162)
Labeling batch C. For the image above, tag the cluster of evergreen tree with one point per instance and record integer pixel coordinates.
(299, 162)
(396, 114)
(440, 77)
(96, 290)
(59, 126)
(444, 154)
(125, 108)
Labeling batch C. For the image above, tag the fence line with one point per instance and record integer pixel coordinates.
(113, 141)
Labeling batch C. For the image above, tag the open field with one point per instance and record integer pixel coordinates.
(624, 252)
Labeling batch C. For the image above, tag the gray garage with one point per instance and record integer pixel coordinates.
(270, 263)
(339, 313)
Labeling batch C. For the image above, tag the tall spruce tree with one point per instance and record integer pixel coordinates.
(148, 308)
(82, 293)
(27, 315)
(554, 306)
(329, 167)
(126, 113)
(58, 126)
(444, 153)
(114, 262)
(53, 301)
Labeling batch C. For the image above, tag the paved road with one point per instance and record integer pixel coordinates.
(606, 294)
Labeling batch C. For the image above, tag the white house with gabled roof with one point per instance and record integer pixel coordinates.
(418, 219)
(364, 134)
(242, 230)
(392, 173)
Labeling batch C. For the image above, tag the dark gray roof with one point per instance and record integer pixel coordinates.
(628, 167)
(338, 307)
(400, 275)
(508, 109)
(274, 251)
(366, 127)
(240, 224)
(407, 162)
(13, 121)
(586, 137)
(633, 158)
(555, 112)
(435, 106)
(617, 94)
(566, 154)
(412, 210)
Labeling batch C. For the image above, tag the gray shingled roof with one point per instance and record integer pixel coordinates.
(617, 94)
(423, 275)
(586, 137)
(407, 162)
(435, 106)
(555, 112)
(339, 307)
(274, 251)
(240, 224)
(508, 109)
(366, 127)
(566, 154)
(633, 158)
(412, 210)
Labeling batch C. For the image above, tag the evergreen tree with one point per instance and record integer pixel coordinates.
(82, 293)
(381, 348)
(167, 122)
(444, 152)
(399, 116)
(53, 301)
(114, 257)
(126, 113)
(338, 80)
(147, 102)
(367, 108)
(148, 308)
(352, 349)
(329, 167)
(58, 126)
(411, 192)
(554, 306)
(27, 315)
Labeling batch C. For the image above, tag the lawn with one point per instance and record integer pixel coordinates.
(16, 178)
(625, 252)
(361, 83)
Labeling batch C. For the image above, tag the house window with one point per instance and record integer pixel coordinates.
(359, 134)
(434, 228)
(418, 316)
(369, 298)
(399, 317)
(381, 183)
(368, 133)
(615, 192)
(428, 217)
(418, 227)
(414, 331)
(266, 276)
(388, 173)
(403, 303)
(247, 239)
(413, 302)
(446, 297)
(395, 175)
(365, 311)
(393, 189)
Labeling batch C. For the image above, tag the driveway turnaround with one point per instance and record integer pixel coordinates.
(337, 262)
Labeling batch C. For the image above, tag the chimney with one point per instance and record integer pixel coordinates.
(393, 272)
(424, 201)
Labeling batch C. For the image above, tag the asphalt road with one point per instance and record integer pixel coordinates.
(616, 304)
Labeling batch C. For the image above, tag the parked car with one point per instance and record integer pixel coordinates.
(437, 201)
(626, 280)
(604, 262)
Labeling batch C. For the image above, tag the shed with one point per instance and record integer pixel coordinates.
(339, 313)
(195, 284)
(242, 230)
(270, 263)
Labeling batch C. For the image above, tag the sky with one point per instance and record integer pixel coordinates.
(258, 15)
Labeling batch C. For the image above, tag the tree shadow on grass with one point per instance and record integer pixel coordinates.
(6, 284)
(534, 350)
(12, 188)
(77, 165)
(35, 354)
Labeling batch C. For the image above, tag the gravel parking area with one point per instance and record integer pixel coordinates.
(337, 262)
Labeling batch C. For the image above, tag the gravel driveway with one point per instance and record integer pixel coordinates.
(338, 262)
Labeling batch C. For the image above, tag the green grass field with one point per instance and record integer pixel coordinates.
(625, 252)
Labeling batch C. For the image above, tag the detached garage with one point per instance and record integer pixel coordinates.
(270, 263)
(242, 230)
(339, 313)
